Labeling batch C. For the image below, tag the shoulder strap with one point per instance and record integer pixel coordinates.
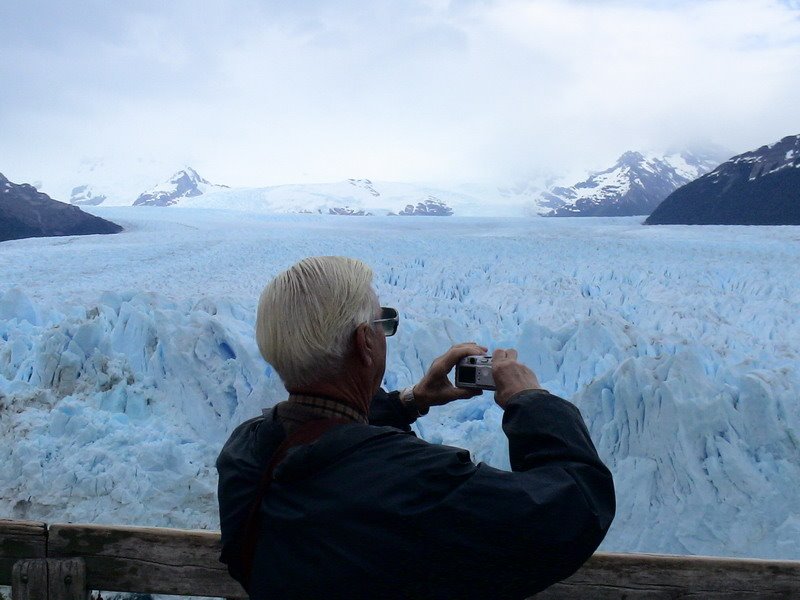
(248, 534)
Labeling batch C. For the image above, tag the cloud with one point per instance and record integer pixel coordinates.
(256, 93)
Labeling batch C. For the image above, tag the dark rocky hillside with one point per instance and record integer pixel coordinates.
(26, 212)
(761, 187)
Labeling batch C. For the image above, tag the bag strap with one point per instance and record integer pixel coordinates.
(306, 433)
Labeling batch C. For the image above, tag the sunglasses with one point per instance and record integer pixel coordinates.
(389, 320)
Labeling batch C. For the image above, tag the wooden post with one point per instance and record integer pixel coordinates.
(146, 560)
(49, 579)
(29, 580)
(66, 579)
(20, 540)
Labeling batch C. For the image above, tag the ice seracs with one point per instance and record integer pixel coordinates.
(760, 187)
(123, 366)
(635, 185)
(186, 183)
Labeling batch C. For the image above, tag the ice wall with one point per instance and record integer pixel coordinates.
(115, 413)
(679, 345)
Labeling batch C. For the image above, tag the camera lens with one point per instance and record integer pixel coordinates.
(472, 360)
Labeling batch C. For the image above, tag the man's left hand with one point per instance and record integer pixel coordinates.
(435, 389)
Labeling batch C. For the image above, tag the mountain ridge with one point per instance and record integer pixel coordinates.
(352, 197)
(635, 185)
(186, 183)
(758, 187)
(25, 212)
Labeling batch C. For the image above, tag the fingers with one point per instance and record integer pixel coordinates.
(444, 364)
(451, 393)
(501, 354)
(463, 394)
(459, 351)
(510, 376)
(435, 389)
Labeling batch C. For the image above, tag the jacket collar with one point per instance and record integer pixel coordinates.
(299, 409)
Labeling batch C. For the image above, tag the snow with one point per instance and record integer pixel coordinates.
(184, 183)
(612, 183)
(609, 187)
(377, 197)
(126, 360)
(119, 178)
(686, 170)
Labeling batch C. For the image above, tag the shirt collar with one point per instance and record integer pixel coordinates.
(300, 408)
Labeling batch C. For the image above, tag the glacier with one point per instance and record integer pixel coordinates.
(126, 360)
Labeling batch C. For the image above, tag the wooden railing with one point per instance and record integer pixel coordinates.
(63, 562)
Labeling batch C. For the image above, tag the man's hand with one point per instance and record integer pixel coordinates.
(510, 376)
(435, 389)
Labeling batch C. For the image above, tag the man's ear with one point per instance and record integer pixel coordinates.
(364, 344)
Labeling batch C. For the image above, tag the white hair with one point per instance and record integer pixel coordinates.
(308, 313)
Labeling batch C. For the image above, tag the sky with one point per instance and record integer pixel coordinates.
(255, 93)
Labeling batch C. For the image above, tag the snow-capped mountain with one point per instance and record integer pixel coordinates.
(761, 187)
(635, 185)
(365, 184)
(85, 195)
(348, 212)
(431, 207)
(534, 192)
(348, 197)
(119, 178)
(26, 212)
(111, 184)
(186, 183)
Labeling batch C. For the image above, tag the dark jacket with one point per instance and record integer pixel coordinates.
(371, 511)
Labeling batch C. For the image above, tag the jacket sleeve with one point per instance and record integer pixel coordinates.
(528, 529)
(570, 489)
(386, 410)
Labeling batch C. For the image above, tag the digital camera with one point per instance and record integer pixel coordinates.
(475, 372)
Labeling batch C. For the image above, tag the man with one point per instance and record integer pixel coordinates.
(328, 495)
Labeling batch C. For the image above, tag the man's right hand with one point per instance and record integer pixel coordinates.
(510, 376)
(435, 389)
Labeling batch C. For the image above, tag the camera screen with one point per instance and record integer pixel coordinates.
(466, 374)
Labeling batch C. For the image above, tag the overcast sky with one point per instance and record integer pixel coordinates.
(257, 93)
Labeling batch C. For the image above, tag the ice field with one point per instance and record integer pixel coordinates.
(125, 360)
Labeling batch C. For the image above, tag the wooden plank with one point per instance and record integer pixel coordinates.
(20, 539)
(635, 576)
(66, 579)
(29, 579)
(180, 562)
(146, 560)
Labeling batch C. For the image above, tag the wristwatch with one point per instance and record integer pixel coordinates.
(408, 401)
